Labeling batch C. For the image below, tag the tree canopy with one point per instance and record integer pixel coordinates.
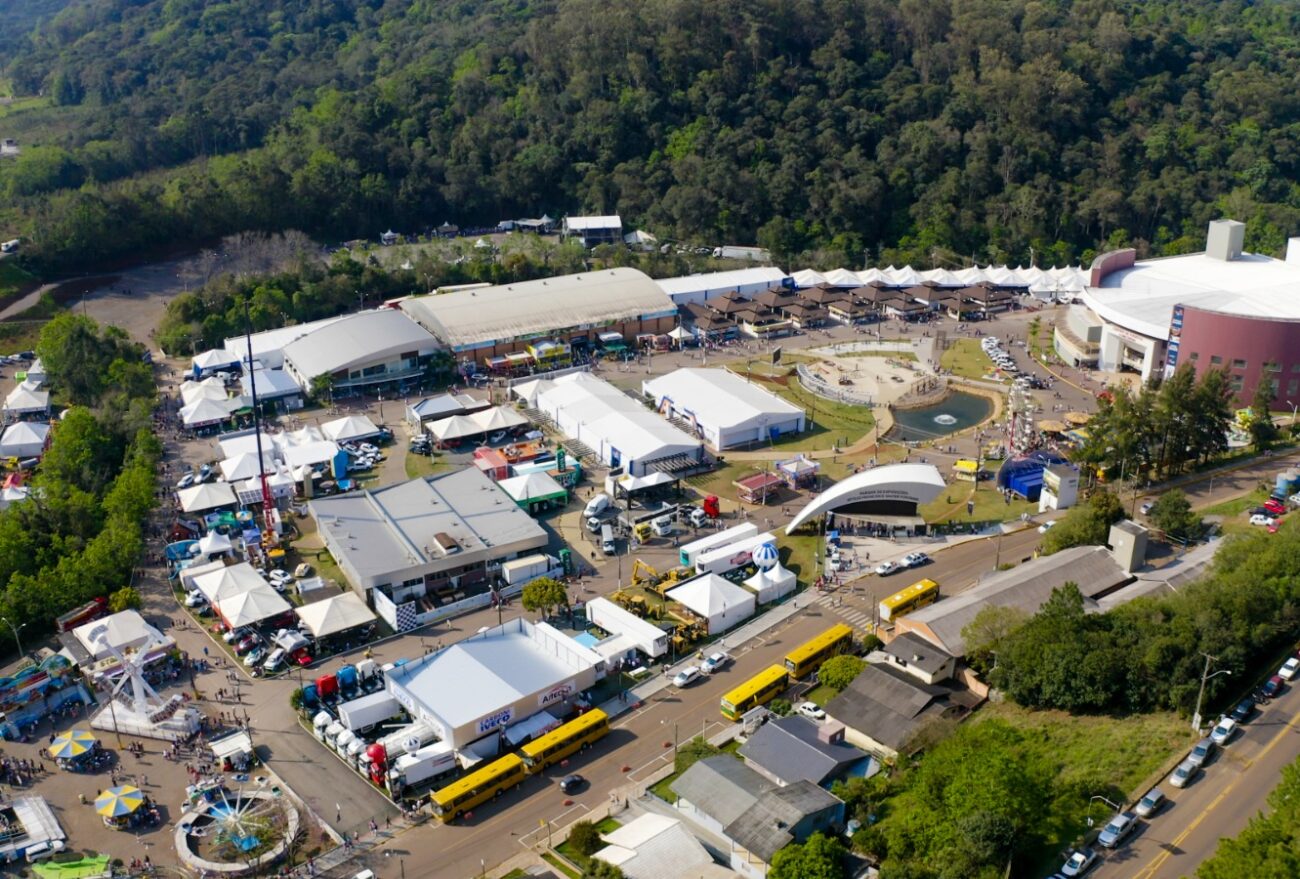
(1268, 847)
(840, 132)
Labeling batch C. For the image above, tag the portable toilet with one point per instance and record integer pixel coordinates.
(320, 722)
(309, 697)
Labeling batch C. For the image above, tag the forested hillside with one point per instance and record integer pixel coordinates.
(866, 129)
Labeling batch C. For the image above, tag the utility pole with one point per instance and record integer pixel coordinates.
(1205, 676)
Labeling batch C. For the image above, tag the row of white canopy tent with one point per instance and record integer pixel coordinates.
(336, 614)
(459, 427)
(25, 399)
(239, 595)
(1066, 279)
(350, 428)
(204, 411)
(214, 359)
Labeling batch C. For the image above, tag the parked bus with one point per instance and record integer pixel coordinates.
(809, 656)
(758, 690)
(919, 594)
(478, 787)
(562, 741)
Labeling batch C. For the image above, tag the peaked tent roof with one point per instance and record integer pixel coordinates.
(532, 486)
(710, 594)
(23, 436)
(257, 604)
(351, 427)
(215, 358)
(214, 542)
(334, 614)
(207, 496)
(205, 411)
(497, 418)
(27, 399)
(227, 581)
(244, 466)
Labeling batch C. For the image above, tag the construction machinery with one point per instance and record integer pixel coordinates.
(648, 578)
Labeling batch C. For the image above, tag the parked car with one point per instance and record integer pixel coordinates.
(187, 480)
(256, 655)
(1118, 830)
(1275, 506)
(280, 575)
(1289, 669)
(572, 784)
(1152, 802)
(274, 662)
(1224, 730)
(1046, 526)
(1262, 519)
(1243, 711)
(884, 569)
(1184, 774)
(1079, 862)
(1146, 507)
(1272, 687)
(811, 710)
(195, 599)
(247, 644)
(1201, 754)
(686, 676)
(715, 662)
(915, 559)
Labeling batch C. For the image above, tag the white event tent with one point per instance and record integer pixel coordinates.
(203, 412)
(246, 608)
(772, 583)
(721, 603)
(349, 428)
(336, 614)
(207, 496)
(220, 583)
(25, 439)
(727, 410)
(26, 400)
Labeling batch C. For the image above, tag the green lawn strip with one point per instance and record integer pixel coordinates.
(798, 554)
(418, 466)
(965, 357)
(1238, 505)
(561, 866)
(821, 694)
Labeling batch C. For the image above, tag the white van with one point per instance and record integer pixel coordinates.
(43, 850)
(594, 524)
(274, 662)
(607, 540)
(597, 505)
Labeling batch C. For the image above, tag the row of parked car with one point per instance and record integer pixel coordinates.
(1122, 826)
(911, 560)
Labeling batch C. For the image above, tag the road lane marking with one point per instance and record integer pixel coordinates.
(1165, 855)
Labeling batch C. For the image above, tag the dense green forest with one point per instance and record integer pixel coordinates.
(850, 130)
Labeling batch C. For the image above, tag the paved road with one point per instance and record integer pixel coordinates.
(1232, 789)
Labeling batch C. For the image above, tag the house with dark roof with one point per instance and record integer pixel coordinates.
(794, 748)
(758, 816)
(916, 656)
(883, 709)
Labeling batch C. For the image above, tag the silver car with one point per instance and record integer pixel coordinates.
(1184, 774)
(1118, 830)
(1201, 754)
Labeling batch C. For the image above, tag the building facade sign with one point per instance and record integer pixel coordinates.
(555, 695)
(492, 721)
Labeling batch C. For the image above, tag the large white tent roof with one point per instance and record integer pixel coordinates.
(471, 317)
(215, 358)
(348, 428)
(26, 399)
(310, 453)
(709, 595)
(364, 337)
(483, 421)
(334, 614)
(214, 542)
(225, 582)
(244, 466)
(207, 496)
(720, 397)
(250, 607)
(211, 388)
(24, 439)
(531, 485)
(205, 411)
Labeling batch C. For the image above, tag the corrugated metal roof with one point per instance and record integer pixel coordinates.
(511, 311)
(363, 338)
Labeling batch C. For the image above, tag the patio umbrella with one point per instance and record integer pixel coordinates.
(118, 801)
(1078, 417)
(72, 743)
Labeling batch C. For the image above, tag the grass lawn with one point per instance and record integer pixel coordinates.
(562, 867)
(13, 279)
(797, 554)
(989, 505)
(1238, 505)
(423, 465)
(605, 825)
(966, 358)
(663, 788)
(821, 694)
(833, 423)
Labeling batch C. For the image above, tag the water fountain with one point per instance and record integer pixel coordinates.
(954, 413)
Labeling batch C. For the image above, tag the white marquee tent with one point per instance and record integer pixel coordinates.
(208, 496)
(336, 614)
(26, 400)
(203, 412)
(244, 466)
(720, 602)
(209, 389)
(726, 409)
(349, 428)
(220, 583)
(25, 439)
(772, 583)
(214, 543)
(214, 359)
(253, 606)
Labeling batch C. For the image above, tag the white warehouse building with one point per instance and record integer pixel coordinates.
(689, 289)
(618, 429)
(469, 692)
(726, 410)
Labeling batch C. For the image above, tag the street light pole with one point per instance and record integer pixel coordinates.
(1205, 676)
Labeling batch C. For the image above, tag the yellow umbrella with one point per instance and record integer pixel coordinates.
(1078, 417)
(1049, 425)
(118, 801)
(72, 743)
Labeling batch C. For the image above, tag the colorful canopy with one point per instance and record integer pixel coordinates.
(72, 743)
(118, 801)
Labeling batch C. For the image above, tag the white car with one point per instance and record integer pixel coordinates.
(1289, 669)
(811, 710)
(195, 599)
(915, 559)
(884, 569)
(1046, 526)
(1261, 519)
(1183, 775)
(686, 676)
(280, 576)
(715, 662)
(1223, 731)
(187, 480)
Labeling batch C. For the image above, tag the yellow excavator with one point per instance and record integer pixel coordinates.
(647, 577)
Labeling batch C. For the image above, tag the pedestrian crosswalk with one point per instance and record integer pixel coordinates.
(851, 613)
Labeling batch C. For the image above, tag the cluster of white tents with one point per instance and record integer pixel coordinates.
(1066, 280)
(206, 402)
(459, 427)
(241, 597)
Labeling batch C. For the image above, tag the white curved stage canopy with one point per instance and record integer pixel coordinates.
(897, 483)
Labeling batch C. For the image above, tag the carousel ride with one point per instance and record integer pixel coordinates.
(235, 831)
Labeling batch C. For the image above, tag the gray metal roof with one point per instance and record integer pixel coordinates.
(888, 706)
(367, 337)
(1026, 586)
(721, 787)
(918, 652)
(764, 827)
(393, 528)
(467, 318)
(788, 749)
